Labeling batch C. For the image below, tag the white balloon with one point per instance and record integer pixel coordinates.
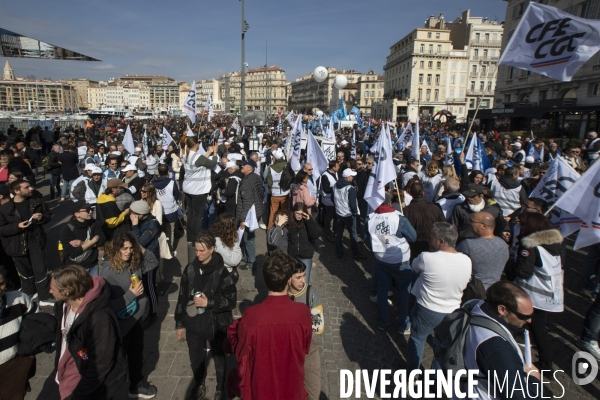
(320, 74)
(340, 81)
(320, 114)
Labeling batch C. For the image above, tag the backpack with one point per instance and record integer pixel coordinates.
(451, 335)
(287, 176)
(46, 163)
(474, 290)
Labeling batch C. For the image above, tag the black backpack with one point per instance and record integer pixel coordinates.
(287, 176)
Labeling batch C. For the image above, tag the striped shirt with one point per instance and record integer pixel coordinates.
(17, 304)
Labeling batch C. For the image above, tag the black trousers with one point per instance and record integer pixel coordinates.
(33, 272)
(199, 357)
(195, 210)
(149, 282)
(540, 334)
(133, 350)
(330, 215)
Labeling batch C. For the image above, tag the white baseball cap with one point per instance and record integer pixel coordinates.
(96, 170)
(129, 167)
(137, 149)
(230, 164)
(517, 145)
(344, 142)
(348, 172)
(529, 159)
(89, 167)
(278, 154)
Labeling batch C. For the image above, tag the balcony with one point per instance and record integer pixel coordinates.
(456, 100)
(485, 58)
(486, 43)
(558, 102)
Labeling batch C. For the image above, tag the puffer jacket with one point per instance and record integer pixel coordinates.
(461, 218)
(55, 167)
(251, 192)
(300, 193)
(14, 239)
(146, 233)
(301, 239)
(528, 256)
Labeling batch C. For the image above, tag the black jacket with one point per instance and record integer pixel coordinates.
(136, 183)
(251, 192)
(75, 230)
(461, 218)
(14, 239)
(361, 180)
(301, 239)
(217, 284)
(229, 189)
(69, 162)
(528, 256)
(17, 164)
(94, 333)
(55, 167)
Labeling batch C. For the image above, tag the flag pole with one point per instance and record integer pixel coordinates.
(398, 192)
(471, 125)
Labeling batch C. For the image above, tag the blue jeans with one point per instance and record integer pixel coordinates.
(402, 275)
(349, 223)
(210, 214)
(54, 183)
(591, 324)
(66, 187)
(249, 247)
(423, 321)
(308, 263)
(93, 270)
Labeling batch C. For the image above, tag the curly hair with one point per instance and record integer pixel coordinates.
(113, 253)
(225, 228)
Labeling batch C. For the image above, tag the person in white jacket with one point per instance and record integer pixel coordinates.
(227, 241)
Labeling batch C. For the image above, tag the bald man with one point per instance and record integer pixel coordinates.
(488, 253)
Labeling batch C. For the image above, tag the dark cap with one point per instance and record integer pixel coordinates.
(79, 205)
(473, 190)
(249, 162)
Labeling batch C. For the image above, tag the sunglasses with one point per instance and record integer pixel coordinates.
(522, 317)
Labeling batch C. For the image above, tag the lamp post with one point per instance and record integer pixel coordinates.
(245, 27)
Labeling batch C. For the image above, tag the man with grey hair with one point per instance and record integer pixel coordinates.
(449, 197)
(593, 148)
(254, 157)
(55, 171)
(443, 275)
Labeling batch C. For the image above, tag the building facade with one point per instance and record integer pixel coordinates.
(428, 70)
(527, 101)
(81, 87)
(40, 95)
(370, 87)
(266, 90)
(307, 95)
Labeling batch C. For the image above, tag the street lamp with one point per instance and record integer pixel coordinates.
(245, 28)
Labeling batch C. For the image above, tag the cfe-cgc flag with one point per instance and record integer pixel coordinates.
(583, 201)
(209, 108)
(128, 141)
(552, 42)
(166, 138)
(296, 144)
(383, 171)
(189, 106)
(449, 160)
(416, 150)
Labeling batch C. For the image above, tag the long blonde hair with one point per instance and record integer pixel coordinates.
(113, 253)
(150, 189)
(449, 172)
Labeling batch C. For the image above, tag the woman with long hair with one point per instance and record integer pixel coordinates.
(124, 263)
(225, 232)
(149, 196)
(300, 191)
(302, 233)
(537, 269)
(151, 163)
(448, 171)
(207, 294)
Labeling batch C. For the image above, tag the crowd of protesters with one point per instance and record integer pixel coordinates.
(443, 231)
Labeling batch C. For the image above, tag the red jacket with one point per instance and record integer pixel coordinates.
(275, 338)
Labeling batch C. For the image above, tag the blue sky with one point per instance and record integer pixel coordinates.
(200, 39)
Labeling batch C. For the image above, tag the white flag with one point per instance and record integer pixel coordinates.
(296, 143)
(583, 201)
(383, 170)
(449, 152)
(330, 132)
(315, 157)
(472, 153)
(235, 125)
(407, 136)
(552, 42)
(189, 106)
(556, 181)
(353, 143)
(189, 132)
(128, 141)
(145, 143)
(416, 150)
(290, 118)
(166, 138)
(209, 108)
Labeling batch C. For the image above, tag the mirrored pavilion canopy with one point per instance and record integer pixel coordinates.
(15, 45)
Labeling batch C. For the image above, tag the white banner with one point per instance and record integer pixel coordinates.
(329, 151)
(315, 157)
(166, 138)
(189, 106)
(209, 108)
(552, 42)
(383, 171)
(296, 143)
(556, 181)
(42, 123)
(128, 141)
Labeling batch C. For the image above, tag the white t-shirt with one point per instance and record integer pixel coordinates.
(442, 279)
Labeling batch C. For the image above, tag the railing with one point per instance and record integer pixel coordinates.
(484, 42)
(456, 100)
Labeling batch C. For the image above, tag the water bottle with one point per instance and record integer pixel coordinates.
(200, 309)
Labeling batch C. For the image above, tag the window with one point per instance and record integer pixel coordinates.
(489, 87)
(451, 93)
(422, 64)
(543, 95)
(454, 64)
(439, 49)
(436, 94)
(430, 49)
(485, 103)
(477, 36)
(482, 85)
(428, 95)
(471, 103)
(595, 89)
(437, 79)
(430, 64)
(462, 94)
(463, 78)
(453, 79)
(511, 72)
(428, 35)
(472, 85)
(437, 35)
(422, 48)
(485, 53)
(507, 98)
(483, 68)
(429, 79)
(420, 93)
(420, 78)
(476, 52)
(439, 65)
(463, 65)
(366, 94)
(474, 71)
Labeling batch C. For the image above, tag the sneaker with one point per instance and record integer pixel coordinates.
(246, 267)
(360, 256)
(35, 296)
(198, 392)
(48, 302)
(589, 346)
(373, 298)
(144, 390)
(404, 332)
(261, 226)
(62, 199)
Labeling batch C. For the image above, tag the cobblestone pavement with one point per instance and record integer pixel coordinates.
(351, 339)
